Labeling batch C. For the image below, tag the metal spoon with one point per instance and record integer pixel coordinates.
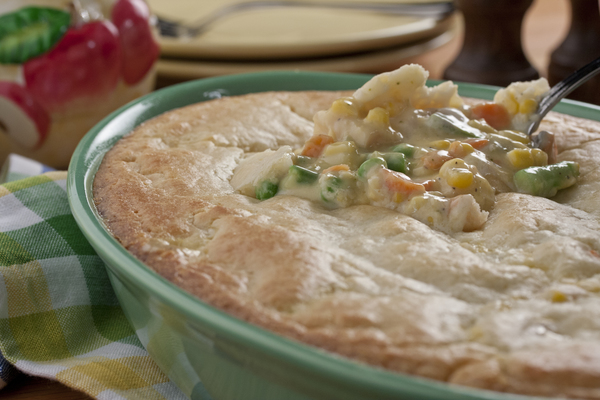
(561, 90)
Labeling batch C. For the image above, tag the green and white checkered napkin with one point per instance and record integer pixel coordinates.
(59, 317)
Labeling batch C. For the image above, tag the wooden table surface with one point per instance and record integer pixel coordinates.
(545, 25)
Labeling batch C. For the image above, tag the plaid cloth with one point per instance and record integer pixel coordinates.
(59, 317)
(18, 167)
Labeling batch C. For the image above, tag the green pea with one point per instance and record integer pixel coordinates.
(546, 181)
(407, 149)
(266, 190)
(302, 175)
(370, 163)
(396, 162)
(330, 187)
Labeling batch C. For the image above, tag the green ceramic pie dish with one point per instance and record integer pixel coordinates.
(206, 352)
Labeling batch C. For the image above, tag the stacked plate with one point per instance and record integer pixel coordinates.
(293, 38)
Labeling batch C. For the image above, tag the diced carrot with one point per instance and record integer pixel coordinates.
(397, 182)
(315, 145)
(434, 160)
(334, 168)
(430, 184)
(477, 144)
(496, 115)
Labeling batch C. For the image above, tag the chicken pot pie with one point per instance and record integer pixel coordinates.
(399, 225)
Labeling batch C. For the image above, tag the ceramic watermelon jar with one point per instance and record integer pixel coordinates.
(65, 65)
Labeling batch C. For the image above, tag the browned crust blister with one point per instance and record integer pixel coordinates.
(513, 307)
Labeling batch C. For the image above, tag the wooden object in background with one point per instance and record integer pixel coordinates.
(580, 46)
(492, 51)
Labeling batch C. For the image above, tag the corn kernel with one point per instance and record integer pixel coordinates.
(540, 158)
(467, 147)
(450, 164)
(460, 149)
(559, 297)
(339, 148)
(397, 198)
(481, 125)
(344, 107)
(460, 178)
(378, 115)
(440, 144)
(516, 136)
(520, 158)
(527, 106)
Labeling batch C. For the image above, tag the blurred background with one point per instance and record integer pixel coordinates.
(488, 42)
(484, 42)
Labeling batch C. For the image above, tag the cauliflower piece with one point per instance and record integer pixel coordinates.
(396, 86)
(406, 86)
(443, 95)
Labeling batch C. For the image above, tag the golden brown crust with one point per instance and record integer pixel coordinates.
(513, 307)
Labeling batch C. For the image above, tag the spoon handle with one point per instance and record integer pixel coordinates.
(563, 88)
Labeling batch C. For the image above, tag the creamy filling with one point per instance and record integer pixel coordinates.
(399, 144)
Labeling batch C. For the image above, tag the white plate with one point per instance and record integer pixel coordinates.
(289, 32)
(372, 62)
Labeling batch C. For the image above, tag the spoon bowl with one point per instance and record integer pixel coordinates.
(560, 91)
